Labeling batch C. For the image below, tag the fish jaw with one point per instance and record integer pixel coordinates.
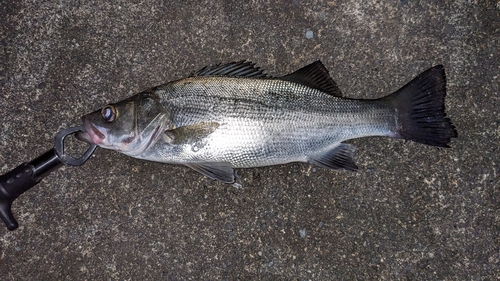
(92, 134)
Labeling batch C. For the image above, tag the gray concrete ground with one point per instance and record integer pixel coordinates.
(411, 211)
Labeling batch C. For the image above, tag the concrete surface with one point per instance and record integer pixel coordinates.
(411, 212)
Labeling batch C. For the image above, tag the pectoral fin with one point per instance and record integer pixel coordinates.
(191, 133)
(340, 157)
(222, 171)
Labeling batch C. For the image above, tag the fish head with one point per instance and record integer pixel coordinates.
(129, 126)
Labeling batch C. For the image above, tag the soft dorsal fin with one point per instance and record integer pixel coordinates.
(314, 75)
(234, 69)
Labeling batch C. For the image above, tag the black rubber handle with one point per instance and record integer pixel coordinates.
(27, 175)
(21, 179)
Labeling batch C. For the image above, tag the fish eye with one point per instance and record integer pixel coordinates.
(108, 113)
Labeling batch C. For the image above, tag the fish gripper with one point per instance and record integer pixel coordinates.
(27, 175)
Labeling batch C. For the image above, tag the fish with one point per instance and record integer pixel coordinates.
(233, 115)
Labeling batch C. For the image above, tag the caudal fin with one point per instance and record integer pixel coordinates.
(420, 109)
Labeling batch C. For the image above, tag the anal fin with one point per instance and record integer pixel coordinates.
(340, 157)
(222, 171)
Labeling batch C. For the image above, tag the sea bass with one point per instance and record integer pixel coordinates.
(234, 116)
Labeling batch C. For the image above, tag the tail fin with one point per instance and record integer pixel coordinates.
(420, 109)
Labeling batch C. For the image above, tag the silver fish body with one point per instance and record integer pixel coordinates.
(264, 121)
(232, 116)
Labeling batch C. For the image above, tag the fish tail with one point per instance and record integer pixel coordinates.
(420, 109)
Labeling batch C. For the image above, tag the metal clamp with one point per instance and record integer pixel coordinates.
(66, 158)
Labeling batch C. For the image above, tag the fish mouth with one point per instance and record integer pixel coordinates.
(91, 135)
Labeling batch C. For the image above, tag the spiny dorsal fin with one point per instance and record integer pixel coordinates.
(314, 75)
(234, 69)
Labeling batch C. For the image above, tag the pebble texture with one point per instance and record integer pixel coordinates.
(411, 211)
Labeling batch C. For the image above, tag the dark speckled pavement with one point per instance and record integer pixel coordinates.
(411, 212)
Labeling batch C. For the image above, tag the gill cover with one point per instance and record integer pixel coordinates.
(129, 126)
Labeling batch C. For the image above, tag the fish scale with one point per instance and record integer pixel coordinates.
(267, 121)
